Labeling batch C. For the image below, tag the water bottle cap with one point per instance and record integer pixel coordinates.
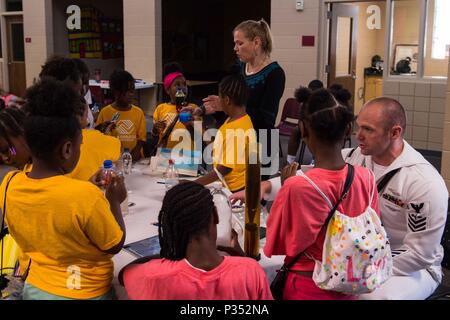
(126, 150)
(185, 117)
(107, 164)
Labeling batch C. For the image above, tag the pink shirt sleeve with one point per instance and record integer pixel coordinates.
(291, 228)
(263, 284)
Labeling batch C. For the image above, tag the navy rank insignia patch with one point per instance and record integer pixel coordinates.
(417, 221)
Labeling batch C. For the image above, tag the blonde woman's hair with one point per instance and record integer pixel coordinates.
(261, 29)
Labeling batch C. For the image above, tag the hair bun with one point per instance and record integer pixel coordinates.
(302, 94)
(52, 98)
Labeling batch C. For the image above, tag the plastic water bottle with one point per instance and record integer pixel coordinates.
(180, 97)
(108, 172)
(171, 175)
(107, 175)
(223, 206)
(127, 161)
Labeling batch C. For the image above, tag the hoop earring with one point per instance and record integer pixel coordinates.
(12, 150)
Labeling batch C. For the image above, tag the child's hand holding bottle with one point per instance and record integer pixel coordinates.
(116, 192)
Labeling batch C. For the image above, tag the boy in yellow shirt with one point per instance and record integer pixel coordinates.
(131, 125)
(229, 144)
(67, 227)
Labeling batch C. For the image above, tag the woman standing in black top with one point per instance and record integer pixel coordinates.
(265, 79)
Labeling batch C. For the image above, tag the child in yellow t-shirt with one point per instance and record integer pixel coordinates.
(130, 127)
(229, 144)
(166, 114)
(67, 227)
(95, 149)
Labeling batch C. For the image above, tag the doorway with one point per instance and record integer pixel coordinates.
(356, 48)
(343, 35)
(16, 55)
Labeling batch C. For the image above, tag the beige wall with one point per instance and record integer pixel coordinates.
(142, 31)
(38, 25)
(143, 49)
(288, 26)
(445, 166)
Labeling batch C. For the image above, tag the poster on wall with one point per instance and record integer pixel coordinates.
(405, 59)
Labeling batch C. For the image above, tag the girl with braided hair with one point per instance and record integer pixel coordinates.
(297, 220)
(190, 267)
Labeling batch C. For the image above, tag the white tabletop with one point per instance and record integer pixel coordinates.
(147, 195)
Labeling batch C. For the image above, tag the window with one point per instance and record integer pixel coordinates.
(344, 46)
(405, 17)
(437, 37)
(18, 49)
(13, 5)
(414, 32)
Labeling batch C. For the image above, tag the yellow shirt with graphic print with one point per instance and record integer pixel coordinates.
(130, 127)
(64, 225)
(95, 149)
(168, 112)
(229, 149)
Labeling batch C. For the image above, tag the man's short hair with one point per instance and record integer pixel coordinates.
(393, 112)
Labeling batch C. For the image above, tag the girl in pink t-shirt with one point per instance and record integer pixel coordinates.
(297, 217)
(191, 268)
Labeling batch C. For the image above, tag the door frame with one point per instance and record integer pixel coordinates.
(324, 35)
(352, 12)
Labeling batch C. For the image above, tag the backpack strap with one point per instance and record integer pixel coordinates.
(371, 184)
(349, 155)
(4, 230)
(386, 179)
(302, 174)
(347, 184)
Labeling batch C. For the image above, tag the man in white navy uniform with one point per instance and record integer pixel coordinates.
(413, 203)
